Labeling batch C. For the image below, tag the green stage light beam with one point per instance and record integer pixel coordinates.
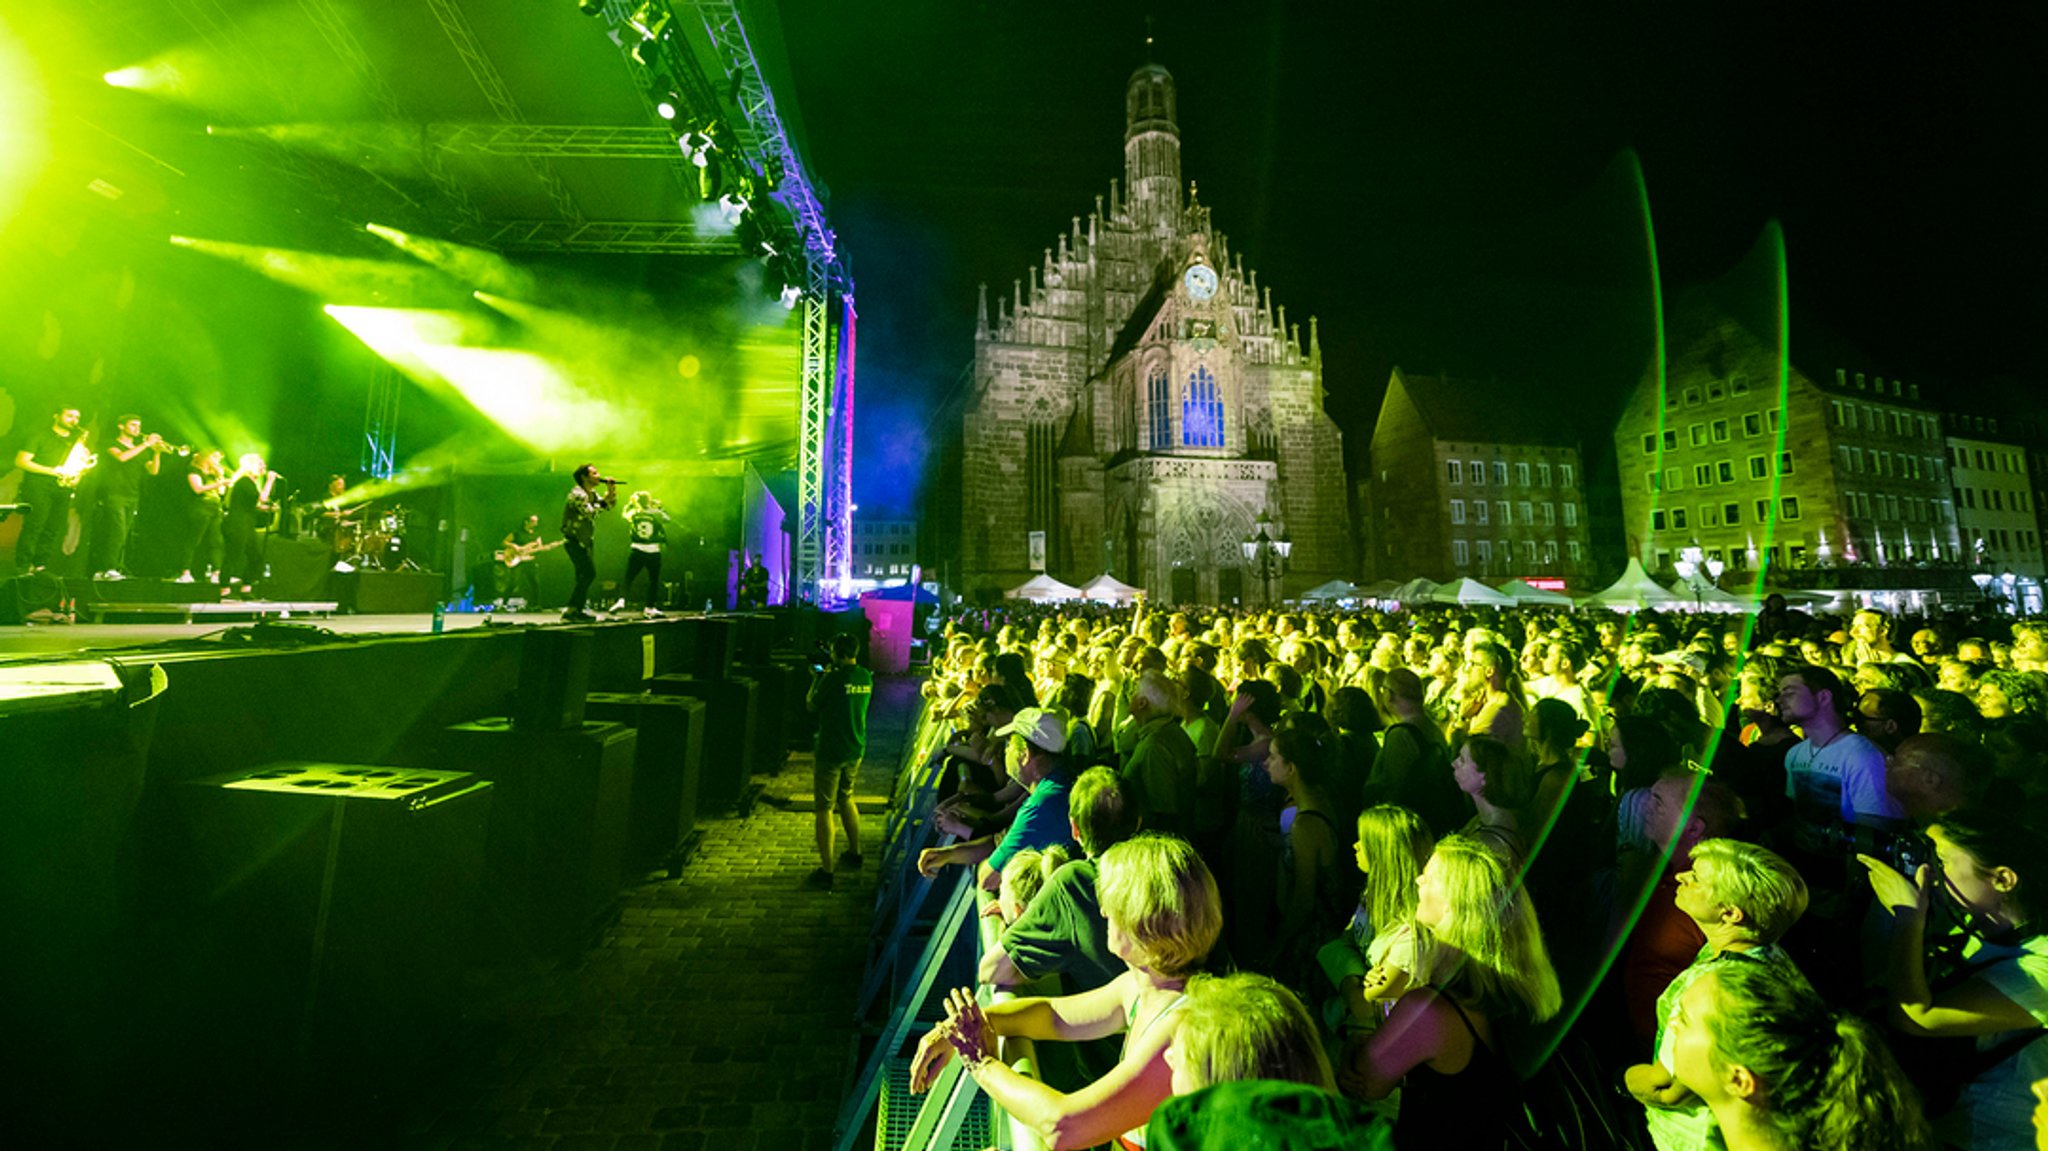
(481, 269)
(335, 279)
(24, 135)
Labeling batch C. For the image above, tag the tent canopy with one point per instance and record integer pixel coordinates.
(1384, 589)
(1525, 595)
(1110, 589)
(1470, 592)
(1043, 588)
(1634, 591)
(1335, 589)
(1417, 590)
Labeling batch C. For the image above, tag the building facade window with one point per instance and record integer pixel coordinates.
(1457, 511)
(1201, 412)
(1476, 472)
(1159, 409)
(1500, 474)
(1528, 514)
(1571, 515)
(1479, 511)
(1522, 474)
(1457, 472)
(1460, 553)
(1565, 475)
(1789, 507)
(1543, 475)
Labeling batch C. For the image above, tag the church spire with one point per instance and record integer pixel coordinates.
(1152, 146)
(981, 314)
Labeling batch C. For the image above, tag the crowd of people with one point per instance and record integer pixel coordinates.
(1781, 880)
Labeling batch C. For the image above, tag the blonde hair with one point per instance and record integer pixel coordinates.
(1162, 896)
(1396, 844)
(1247, 1026)
(1029, 871)
(1489, 944)
(1768, 890)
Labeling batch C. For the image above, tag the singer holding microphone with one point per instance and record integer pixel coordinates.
(579, 532)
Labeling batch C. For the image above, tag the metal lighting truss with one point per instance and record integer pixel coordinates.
(839, 497)
(583, 142)
(606, 236)
(456, 26)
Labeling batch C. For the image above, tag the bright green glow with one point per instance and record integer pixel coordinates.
(333, 278)
(528, 397)
(487, 271)
(24, 139)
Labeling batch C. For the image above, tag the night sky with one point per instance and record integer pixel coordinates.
(1440, 183)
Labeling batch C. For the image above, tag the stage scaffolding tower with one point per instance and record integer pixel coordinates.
(651, 33)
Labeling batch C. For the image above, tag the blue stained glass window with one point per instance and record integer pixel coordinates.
(1201, 412)
(1159, 406)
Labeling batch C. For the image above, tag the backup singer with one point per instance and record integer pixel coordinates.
(647, 529)
(249, 509)
(205, 481)
(132, 455)
(579, 531)
(50, 466)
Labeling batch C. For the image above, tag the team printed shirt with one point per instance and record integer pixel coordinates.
(843, 696)
(649, 530)
(1837, 783)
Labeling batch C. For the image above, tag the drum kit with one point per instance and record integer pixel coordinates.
(367, 538)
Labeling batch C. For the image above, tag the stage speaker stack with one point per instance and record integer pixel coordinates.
(714, 644)
(668, 761)
(557, 846)
(732, 729)
(785, 683)
(554, 677)
(328, 921)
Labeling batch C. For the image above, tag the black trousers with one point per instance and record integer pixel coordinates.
(110, 532)
(638, 561)
(586, 573)
(202, 538)
(244, 545)
(42, 531)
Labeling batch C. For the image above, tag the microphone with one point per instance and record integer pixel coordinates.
(607, 480)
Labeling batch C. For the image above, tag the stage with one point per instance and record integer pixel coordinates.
(61, 641)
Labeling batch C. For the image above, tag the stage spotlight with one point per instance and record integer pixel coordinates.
(590, 7)
(733, 207)
(790, 295)
(647, 21)
(669, 106)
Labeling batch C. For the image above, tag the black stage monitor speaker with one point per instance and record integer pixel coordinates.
(731, 731)
(558, 832)
(667, 764)
(554, 677)
(717, 642)
(331, 908)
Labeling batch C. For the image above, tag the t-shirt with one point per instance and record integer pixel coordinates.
(1161, 769)
(1064, 932)
(121, 480)
(1692, 1128)
(1040, 822)
(649, 530)
(1657, 951)
(243, 498)
(579, 514)
(842, 697)
(1839, 783)
(1995, 1111)
(50, 450)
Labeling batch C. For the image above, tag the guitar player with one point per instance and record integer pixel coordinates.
(51, 465)
(518, 575)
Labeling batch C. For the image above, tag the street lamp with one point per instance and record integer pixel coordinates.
(1266, 554)
(1698, 572)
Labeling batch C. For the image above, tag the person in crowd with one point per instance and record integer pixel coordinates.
(1569, 828)
(1640, 751)
(1494, 777)
(1991, 861)
(1494, 702)
(1752, 763)
(1374, 960)
(1245, 1026)
(1064, 932)
(1947, 711)
(1886, 716)
(1160, 769)
(1835, 776)
(1024, 878)
(1413, 767)
(1930, 775)
(1483, 970)
(1685, 809)
(1780, 1071)
(2003, 694)
(1355, 725)
(1743, 898)
(1316, 887)
(1164, 915)
(839, 697)
(1041, 821)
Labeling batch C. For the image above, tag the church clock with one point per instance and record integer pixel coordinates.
(1200, 282)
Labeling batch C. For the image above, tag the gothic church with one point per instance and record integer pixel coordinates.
(1141, 405)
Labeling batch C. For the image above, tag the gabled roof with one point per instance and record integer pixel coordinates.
(1141, 318)
(1489, 413)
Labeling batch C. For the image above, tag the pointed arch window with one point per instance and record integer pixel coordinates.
(1159, 409)
(1201, 412)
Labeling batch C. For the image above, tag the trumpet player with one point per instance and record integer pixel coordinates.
(131, 456)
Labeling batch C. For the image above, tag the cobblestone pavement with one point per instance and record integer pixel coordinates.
(715, 1015)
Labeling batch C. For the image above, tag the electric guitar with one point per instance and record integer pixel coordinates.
(512, 555)
(76, 464)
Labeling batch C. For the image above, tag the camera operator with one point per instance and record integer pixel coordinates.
(1991, 865)
(839, 697)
